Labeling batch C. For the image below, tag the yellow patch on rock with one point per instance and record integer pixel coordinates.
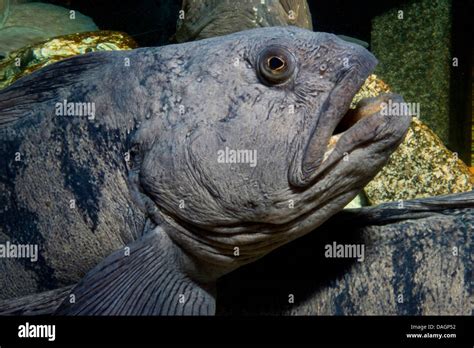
(31, 58)
(421, 166)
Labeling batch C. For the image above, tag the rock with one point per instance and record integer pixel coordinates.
(372, 87)
(25, 24)
(415, 58)
(421, 167)
(359, 201)
(38, 55)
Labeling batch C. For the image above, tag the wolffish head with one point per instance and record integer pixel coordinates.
(241, 151)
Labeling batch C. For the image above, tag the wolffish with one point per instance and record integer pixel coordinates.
(147, 162)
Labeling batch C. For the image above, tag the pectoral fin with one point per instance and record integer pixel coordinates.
(144, 278)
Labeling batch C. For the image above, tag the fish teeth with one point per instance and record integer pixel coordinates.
(331, 145)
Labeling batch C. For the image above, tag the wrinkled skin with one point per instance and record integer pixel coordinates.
(227, 105)
(174, 108)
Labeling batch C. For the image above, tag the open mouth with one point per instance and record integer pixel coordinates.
(367, 102)
(351, 119)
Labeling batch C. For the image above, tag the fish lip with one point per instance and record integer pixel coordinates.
(311, 160)
(374, 129)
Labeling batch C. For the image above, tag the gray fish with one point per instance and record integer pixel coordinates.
(202, 156)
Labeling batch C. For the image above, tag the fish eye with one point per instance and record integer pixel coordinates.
(276, 65)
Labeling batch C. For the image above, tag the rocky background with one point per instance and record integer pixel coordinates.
(423, 53)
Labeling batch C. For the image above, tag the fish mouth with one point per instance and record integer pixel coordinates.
(342, 130)
(355, 120)
(365, 125)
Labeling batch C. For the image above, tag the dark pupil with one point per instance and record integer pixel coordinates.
(275, 63)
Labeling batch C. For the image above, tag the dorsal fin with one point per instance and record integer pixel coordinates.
(18, 99)
(145, 279)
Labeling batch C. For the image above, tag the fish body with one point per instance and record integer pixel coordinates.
(123, 151)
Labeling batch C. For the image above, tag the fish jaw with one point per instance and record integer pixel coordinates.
(349, 160)
(223, 211)
(362, 63)
(381, 134)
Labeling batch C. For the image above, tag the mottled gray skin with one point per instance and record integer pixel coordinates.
(174, 107)
(228, 206)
